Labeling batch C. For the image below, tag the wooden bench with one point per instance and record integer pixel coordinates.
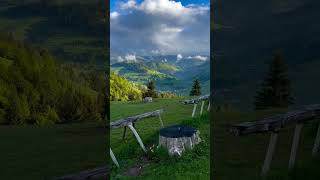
(130, 123)
(274, 124)
(195, 102)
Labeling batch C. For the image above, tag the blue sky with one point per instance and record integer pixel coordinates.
(151, 27)
(184, 2)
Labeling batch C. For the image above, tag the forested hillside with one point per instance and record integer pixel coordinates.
(35, 89)
(71, 30)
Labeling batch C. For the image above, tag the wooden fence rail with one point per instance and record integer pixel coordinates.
(130, 123)
(274, 124)
(195, 102)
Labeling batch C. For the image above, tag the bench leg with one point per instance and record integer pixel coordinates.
(194, 109)
(270, 152)
(294, 147)
(316, 145)
(114, 159)
(201, 110)
(160, 120)
(124, 132)
(137, 137)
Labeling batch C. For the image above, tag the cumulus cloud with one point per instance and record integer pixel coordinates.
(179, 57)
(130, 57)
(200, 58)
(164, 25)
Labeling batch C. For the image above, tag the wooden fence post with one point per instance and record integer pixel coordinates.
(137, 136)
(201, 110)
(295, 144)
(316, 145)
(194, 109)
(270, 152)
(114, 159)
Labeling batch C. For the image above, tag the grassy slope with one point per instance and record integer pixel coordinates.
(160, 166)
(41, 152)
(243, 156)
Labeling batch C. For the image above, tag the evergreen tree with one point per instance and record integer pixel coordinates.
(276, 87)
(151, 92)
(196, 88)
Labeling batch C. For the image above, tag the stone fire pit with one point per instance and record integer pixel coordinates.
(178, 138)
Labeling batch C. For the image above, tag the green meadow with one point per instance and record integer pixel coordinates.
(31, 152)
(156, 163)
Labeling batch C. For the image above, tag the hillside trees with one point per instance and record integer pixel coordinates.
(276, 88)
(123, 90)
(34, 89)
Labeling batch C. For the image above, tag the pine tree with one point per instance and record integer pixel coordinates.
(151, 92)
(276, 87)
(196, 88)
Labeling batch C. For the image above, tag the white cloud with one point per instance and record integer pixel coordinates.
(128, 5)
(164, 25)
(179, 57)
(130, 57)
(114, 15)
(120, 59)
(201, 58)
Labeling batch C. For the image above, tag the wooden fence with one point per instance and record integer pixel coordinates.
(130, 123)
(195, 102)
(274, 124)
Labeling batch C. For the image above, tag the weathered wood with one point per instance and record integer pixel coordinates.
(270, 152)
(161, 122)
(124, 122)
(114, 159)
(208, 106)
(277, 122)
(194, 109)
(197, 100)
(124, 132)
(137, 136)
(295, 144)
(316, 145)
(201, 110)
(96, 173)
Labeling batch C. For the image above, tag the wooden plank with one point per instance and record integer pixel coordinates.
(270, 152)
(129, 120)
(201, 110)
(114, 159)
(277, 122)
(316, 145)
(194, 109)
(137, 136)
(197, 100)
(295, 145)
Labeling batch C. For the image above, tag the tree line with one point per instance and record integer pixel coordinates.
(35, 89)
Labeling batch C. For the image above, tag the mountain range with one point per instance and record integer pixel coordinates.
(170, 72)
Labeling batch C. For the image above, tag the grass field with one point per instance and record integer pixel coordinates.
(158, 165)
(30, 152)
(241, 158)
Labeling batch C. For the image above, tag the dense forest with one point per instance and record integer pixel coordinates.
(35, 89)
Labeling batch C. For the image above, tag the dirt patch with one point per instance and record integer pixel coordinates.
(137, 169)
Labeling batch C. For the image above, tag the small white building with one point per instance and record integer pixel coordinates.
(148, 99)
